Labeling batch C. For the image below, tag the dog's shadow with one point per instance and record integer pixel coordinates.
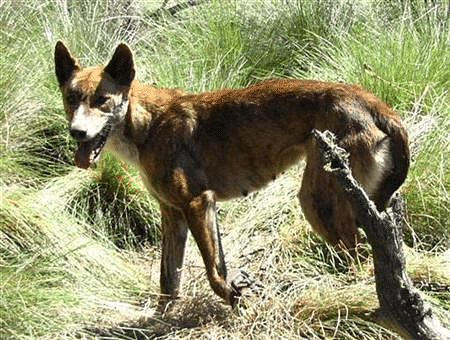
(182, 318)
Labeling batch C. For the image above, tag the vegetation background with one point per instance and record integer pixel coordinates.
(79, 254)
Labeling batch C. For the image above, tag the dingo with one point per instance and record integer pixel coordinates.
(194, 149)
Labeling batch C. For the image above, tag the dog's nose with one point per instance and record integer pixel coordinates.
(79, 135)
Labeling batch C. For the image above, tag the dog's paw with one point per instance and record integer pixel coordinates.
(244, 286)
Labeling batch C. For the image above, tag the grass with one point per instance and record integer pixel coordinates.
(79, 253)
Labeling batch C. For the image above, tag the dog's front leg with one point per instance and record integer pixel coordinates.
(201, 216)
(174, 235)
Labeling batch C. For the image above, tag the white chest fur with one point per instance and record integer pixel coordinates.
(120, 146)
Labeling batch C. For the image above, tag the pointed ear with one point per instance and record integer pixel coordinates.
(65, 64)
(121, 66)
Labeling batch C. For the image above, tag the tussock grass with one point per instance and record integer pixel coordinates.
(79, 252)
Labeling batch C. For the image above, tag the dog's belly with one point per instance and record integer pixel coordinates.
(227, 188)
(236, 177)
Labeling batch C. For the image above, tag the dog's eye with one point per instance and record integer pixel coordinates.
(100, 100)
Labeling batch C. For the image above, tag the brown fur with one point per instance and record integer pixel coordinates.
(195, 149)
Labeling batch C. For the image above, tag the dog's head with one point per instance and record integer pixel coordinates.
(95, 99)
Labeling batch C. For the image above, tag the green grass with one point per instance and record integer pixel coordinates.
(79, 253)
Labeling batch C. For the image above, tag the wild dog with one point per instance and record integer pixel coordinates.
(195, 149)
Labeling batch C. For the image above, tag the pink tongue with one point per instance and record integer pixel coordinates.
(83, 155)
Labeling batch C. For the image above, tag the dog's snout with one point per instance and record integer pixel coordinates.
(79, 135)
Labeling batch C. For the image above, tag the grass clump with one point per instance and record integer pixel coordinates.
(117, 205)
(52, 268)
(79, 249)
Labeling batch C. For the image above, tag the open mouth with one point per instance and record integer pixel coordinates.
(89, 152)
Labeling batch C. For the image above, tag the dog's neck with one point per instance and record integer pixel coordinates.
(146, 104)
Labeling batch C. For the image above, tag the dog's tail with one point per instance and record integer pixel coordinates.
(395, 129)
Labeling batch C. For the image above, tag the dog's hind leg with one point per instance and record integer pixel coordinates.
(174, 236)
(325, 206)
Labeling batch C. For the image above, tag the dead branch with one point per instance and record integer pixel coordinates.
(171, 11)
(401, 306)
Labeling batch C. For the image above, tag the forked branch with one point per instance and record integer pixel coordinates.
(401, 306)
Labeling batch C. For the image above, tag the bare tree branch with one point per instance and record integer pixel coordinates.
(162, 11)
(401, 306)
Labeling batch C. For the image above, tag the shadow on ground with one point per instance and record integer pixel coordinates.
(185, 318)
